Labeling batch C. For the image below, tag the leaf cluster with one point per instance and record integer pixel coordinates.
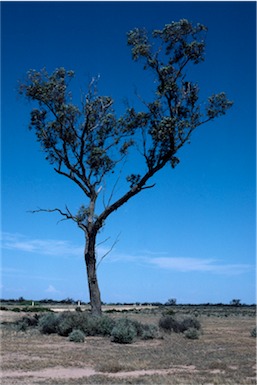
(86, 143)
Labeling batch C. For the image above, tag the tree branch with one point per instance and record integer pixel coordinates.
(109, 251)
(67, 216)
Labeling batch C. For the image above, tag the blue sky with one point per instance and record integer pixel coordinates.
(192, 237)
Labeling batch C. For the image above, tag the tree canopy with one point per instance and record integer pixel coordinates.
(86, 143)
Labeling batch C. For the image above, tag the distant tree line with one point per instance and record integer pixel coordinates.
(71, 301)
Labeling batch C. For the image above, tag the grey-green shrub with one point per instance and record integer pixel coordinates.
(121, 331)
(25, 322)
(189, 323)
(253, 332)
(178, 325)
(149, 332)
(101, 326)
(67, 321)
(48, 323)
(77, 336)
(124, 332)
(192, 333)
(169, 323)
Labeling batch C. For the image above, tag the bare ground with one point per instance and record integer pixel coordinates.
(224, 354)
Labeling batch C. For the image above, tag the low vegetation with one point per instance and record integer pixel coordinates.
(65, 324)
(77, 336)
(201, 344)
(178, 325)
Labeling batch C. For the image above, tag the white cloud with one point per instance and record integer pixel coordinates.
(51, 289)
(199, 265)
(41, 246)
(66, 249)
(182, 264)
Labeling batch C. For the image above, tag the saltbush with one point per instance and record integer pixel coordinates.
(25, 322)
(101, 326)
(48, 323)
(77, 336)
(149, 332)
(121, 331)
(67, 321)
(169, 323)
(124, 332)
(192, 333)
(189, 323)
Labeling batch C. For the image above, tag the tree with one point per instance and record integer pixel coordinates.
(171, 302)
(87, 144)
(235, 302)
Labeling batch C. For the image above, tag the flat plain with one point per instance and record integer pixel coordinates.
(225, 353)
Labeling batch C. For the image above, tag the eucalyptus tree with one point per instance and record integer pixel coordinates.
(87, 143)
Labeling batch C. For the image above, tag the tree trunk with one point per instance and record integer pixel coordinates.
(90, 259)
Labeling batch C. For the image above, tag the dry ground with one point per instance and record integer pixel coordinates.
(224, 355)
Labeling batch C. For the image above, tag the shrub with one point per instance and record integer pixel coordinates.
(67, 321)
(25, 322)
(48, 323)
(123, 332)
(89, 325)
(149, 332)
(189, 323)
(77, 336)
(169, 312)
(192, 333)
(100, 325)
(37, 309)
(169, 323)
(253, 332)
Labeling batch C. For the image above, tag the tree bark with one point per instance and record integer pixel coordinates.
(90, 260)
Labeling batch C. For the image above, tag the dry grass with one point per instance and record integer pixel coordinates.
(224, 354)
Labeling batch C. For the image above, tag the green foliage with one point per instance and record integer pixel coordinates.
(171, 302)
(170, 323)
(192, 333)
(189, 323)
(90, 143)
(36, 309)
(48, 323)
(25, 322)
(253, 332)
(235, 302)
(67, 321)
(64, 323)
(149, 332)
(124, 332)
(77, 336)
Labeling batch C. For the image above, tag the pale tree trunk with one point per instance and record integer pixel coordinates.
(90, 260)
